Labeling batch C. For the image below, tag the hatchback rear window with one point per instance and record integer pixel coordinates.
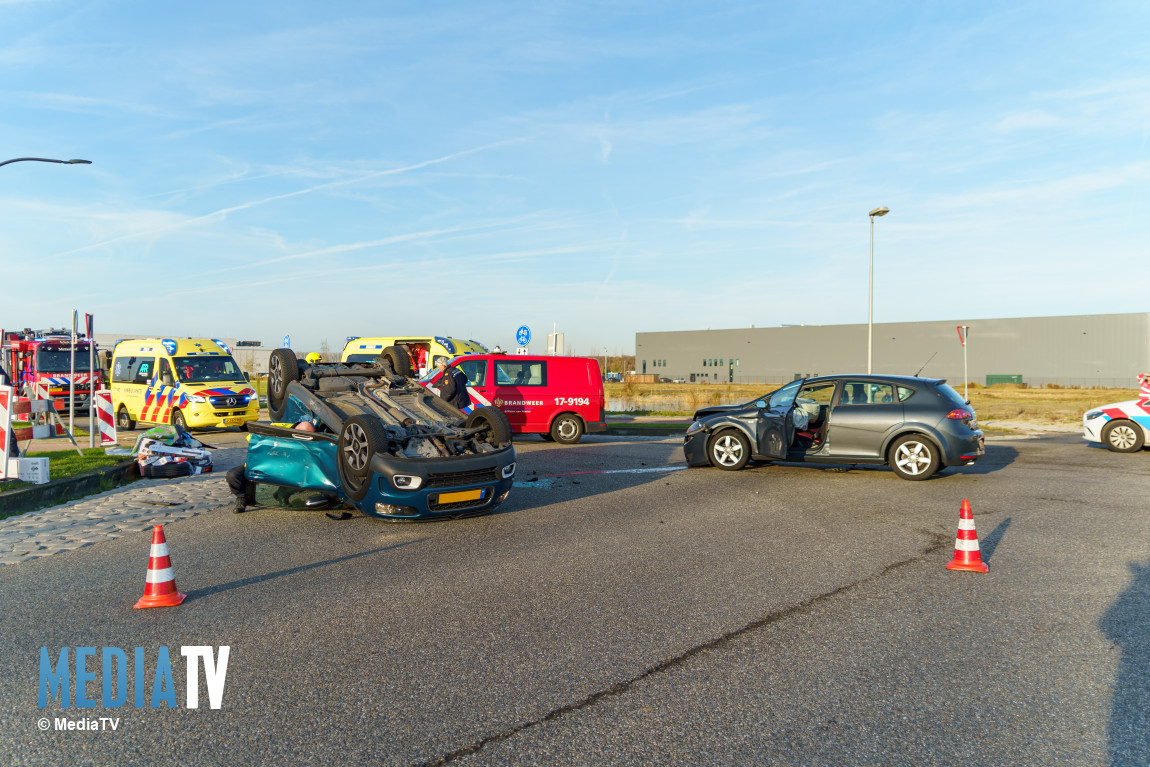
(950, 395)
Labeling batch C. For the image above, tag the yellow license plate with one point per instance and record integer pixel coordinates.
(462, 495)
(233, 421)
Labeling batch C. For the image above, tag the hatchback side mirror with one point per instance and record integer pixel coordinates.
(761, 404)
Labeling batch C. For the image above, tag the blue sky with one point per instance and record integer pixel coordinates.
(367, 168)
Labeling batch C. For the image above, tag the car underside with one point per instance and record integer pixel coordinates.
(382, 442)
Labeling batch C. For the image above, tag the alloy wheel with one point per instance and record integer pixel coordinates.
(912, 457)
(355, 450)
(728, 450)
(275, 374)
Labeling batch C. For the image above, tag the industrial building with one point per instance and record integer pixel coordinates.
(1107, 350)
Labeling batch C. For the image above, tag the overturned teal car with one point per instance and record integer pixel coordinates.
(382, 443)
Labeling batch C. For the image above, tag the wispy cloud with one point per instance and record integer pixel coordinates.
(1027, 120)
(67, 102)
(224, 212)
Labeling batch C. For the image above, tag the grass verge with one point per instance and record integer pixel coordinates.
(66, 463)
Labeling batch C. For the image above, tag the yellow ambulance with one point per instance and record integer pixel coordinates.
(187, 382)
(425, 351)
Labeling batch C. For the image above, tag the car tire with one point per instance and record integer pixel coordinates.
(729, 450)
(360, 438)
(124, 420)
(567, 429)
(178, 420)
(1122, 436)
(167, 470)
(283, 368)
(498, 431)
(913, 457)
(399, 359)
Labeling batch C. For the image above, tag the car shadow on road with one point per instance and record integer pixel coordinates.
(1127, 625)
(581, 475)
(996, 458)
(244, 582)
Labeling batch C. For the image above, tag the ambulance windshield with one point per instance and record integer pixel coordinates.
(216, 367)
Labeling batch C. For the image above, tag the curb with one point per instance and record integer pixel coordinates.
(20, 500)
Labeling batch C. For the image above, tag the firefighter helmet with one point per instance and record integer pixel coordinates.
(312, 358)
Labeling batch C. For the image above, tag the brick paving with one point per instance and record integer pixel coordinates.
(122, 511)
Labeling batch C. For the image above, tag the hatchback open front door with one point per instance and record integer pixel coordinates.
(775, 428)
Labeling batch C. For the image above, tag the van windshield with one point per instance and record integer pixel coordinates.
(209, 368)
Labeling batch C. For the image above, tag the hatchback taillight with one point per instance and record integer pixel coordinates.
(960, 414)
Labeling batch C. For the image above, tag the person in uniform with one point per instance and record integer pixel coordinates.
(453, 385)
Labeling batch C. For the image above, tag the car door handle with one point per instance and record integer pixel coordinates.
(303, 437)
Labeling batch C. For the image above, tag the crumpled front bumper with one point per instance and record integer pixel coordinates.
(695, 448)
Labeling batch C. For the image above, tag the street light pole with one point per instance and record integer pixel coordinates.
(72, 375)
(870, 290)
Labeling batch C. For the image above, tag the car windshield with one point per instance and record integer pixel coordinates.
(207, 368)
(784, 397)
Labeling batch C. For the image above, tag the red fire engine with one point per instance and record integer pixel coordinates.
(44, 357)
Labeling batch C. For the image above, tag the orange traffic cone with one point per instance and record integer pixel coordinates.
(160, 586)
(966, 553)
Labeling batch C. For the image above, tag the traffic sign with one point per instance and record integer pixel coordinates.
(287, 342)
(523, 335)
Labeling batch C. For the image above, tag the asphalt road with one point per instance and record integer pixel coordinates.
(783, 614)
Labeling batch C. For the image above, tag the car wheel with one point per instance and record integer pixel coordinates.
(913, 457)
(729, 450)
(178, 419)
(1122, 437)
(166, 470)
(498, 431)
(283, 368)
(124, 421)
(360, 438)
(399, 359)
(567, 429)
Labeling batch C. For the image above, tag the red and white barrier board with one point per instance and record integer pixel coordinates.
(5, 424)
(28, 469)
(32, 410)
(102, 401)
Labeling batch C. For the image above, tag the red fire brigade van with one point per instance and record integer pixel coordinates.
(558, 398)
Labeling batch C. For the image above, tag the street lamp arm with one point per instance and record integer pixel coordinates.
(45, 159)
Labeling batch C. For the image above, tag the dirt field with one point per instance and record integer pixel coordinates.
(1005, 403)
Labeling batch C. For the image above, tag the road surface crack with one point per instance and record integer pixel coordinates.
(939, 542)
